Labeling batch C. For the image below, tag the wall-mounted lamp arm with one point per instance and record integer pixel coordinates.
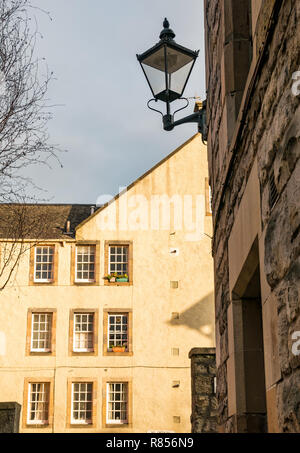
(198, 117)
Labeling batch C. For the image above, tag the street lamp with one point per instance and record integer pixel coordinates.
(167, 67)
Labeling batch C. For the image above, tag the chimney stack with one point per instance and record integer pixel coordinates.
(68, 226)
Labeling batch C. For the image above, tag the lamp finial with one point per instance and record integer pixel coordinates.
(167, 34)
(166, 23)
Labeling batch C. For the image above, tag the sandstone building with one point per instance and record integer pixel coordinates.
(252, 69)
(81, 353)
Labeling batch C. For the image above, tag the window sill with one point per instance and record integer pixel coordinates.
(37, 282)
(84, 353)
(38, 425)
(84, 282)
(42, 353)
(118, 425)
(107, 283)
(81, 425)
(114, 354)
(91, 283)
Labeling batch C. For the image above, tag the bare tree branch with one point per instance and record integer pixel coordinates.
(24, 115)
(24, 112)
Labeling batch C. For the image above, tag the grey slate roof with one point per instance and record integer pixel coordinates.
(41, 221)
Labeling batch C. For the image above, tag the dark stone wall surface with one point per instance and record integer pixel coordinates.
(269, 132)
(9, 417)
(204, 403)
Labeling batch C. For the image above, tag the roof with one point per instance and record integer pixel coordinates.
(41, 221)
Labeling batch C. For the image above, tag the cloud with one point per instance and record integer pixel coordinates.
(111, 136)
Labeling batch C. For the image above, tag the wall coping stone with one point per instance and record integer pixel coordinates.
(10, 405)
(201, 351)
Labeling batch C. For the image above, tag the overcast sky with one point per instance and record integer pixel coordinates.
(103, 121)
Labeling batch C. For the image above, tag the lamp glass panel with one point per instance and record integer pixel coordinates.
(156, 60)
(178, 79)
(176, 60)
(157, 79)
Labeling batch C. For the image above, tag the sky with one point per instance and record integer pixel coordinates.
(101, 116)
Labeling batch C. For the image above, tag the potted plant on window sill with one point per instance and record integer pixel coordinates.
(111, 278)
(118, 348)
(122, 278)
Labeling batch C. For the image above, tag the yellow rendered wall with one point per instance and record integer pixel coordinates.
(152, 367)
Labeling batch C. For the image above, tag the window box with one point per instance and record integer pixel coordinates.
(115, 278)
(118, 348)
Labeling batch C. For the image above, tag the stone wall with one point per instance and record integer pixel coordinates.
(204, 403)
(9, 417)
(267, 128)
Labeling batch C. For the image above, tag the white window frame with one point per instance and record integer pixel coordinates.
(90, 247)
(87, 332)
(110, 271)
(49, 332)
(81, 421)
(108, 401)
(46, 385)
(115, 332)
(44, 280)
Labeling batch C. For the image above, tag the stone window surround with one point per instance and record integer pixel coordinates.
(117, 426)
(35, 380)
(107, 244)
(127, 311)
(93, 311)
(71, 381)
(40, 310)
(32, 280)
(97, 263)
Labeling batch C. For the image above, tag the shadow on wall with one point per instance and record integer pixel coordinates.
(199, 316)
